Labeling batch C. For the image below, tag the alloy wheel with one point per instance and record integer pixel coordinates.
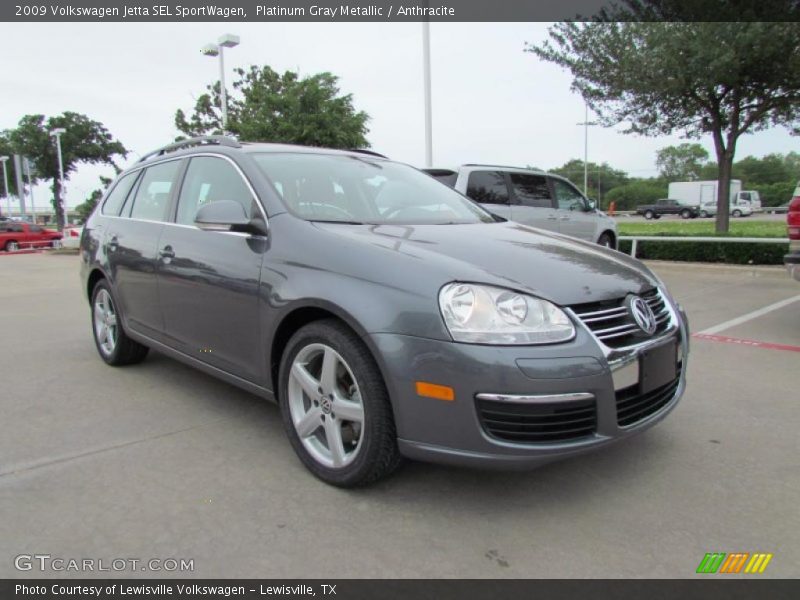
(105, 322)
(325, 405)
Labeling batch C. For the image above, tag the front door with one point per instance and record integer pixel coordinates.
(574, 216)
(209, 280)
(490, 189)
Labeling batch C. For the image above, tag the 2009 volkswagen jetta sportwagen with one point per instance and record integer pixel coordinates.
(387, 314)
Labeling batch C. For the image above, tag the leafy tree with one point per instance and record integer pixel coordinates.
(269, 107)
(757, 171)
(716, 78)
(601, 177)
(85, 208)
(85, 141)
(681, 163)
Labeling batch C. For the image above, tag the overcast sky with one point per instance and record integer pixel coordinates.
(492, 102)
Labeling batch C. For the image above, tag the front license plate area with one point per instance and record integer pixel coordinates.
(658, 366)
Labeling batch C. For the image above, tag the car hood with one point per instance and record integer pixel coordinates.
(558, 268)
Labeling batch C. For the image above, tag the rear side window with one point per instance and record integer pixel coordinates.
(35, 228)
(207, 180)
(531, 190)
(152, 195)
(116, 198)
(487, 187)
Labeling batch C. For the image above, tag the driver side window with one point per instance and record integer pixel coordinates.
(568, 197)
(210, 179)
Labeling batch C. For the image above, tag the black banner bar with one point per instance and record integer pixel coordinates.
(740, 588)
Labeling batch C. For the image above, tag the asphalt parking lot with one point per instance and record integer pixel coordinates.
(161, 461)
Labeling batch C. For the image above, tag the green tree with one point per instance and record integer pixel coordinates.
(761, 171)
(85, 141)
(269, 107)
(602, 177)
(681, 163)
(722, 79)
(6, 149)
(85, 208)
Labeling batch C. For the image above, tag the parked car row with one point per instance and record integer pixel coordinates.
(388, 315)
(667, 206)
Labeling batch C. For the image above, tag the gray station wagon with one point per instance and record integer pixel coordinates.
(388, 315)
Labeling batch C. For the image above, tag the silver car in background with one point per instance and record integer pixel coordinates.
(534, 198)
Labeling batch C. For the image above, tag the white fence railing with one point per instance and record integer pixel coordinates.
(635, 239)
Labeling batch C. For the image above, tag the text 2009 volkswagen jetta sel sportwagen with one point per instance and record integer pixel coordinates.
(387, 314)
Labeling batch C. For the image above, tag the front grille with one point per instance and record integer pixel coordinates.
(632, 406)
(538, 423)
(611, 322)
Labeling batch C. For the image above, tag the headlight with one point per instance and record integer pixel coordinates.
(482, 314)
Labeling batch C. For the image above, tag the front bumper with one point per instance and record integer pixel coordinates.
(452, 432)
(792, 260)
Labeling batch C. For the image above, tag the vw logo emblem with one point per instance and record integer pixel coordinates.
(326, 405)
(642, 314)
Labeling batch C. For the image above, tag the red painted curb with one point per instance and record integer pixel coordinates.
(743, 342)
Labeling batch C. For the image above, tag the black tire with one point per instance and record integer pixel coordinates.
(686, 214)
(737, 213)
(649, 214)
(126, 351)
(606, 239)
(378, 455)
(11, 246)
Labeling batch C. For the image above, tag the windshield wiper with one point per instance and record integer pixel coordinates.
(337, 221)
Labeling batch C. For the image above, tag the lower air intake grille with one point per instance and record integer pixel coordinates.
(632, 407)
(538, 423)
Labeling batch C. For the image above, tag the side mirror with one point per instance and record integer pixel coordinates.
(226, 215)
(591, 205)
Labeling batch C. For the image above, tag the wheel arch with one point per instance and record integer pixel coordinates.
(610, 233)
(300, 314)
(91, 281)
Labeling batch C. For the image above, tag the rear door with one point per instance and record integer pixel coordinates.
(131, 242)
(574, 217)
(209, 281)
(532, 201)
(490, 189)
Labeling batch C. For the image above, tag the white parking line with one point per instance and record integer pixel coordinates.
(749, 316)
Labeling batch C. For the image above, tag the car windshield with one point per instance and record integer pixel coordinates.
(354, 189)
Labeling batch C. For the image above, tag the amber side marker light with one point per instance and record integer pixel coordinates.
(431, 390)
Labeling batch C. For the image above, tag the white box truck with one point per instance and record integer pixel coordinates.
(704, 194)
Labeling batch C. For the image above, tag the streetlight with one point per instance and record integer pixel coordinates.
(426, 63)
(3, 160)
(226, 41)
(586, 123)
(57, 133)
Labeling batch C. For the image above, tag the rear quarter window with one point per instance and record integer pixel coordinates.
(114, 201)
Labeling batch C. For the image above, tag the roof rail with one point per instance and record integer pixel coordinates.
(205, 140)
(363, 151)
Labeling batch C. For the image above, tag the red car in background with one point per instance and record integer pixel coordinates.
(792, 260)
(15, 235)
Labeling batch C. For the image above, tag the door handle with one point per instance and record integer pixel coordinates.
(565, 218)
(166, 254)
(551, 217)
(113, 244)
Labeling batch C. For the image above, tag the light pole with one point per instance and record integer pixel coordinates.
(586, 123)
(426, 63)
(4, 159)
(56, 133)
(27, 164)
(226, 41)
